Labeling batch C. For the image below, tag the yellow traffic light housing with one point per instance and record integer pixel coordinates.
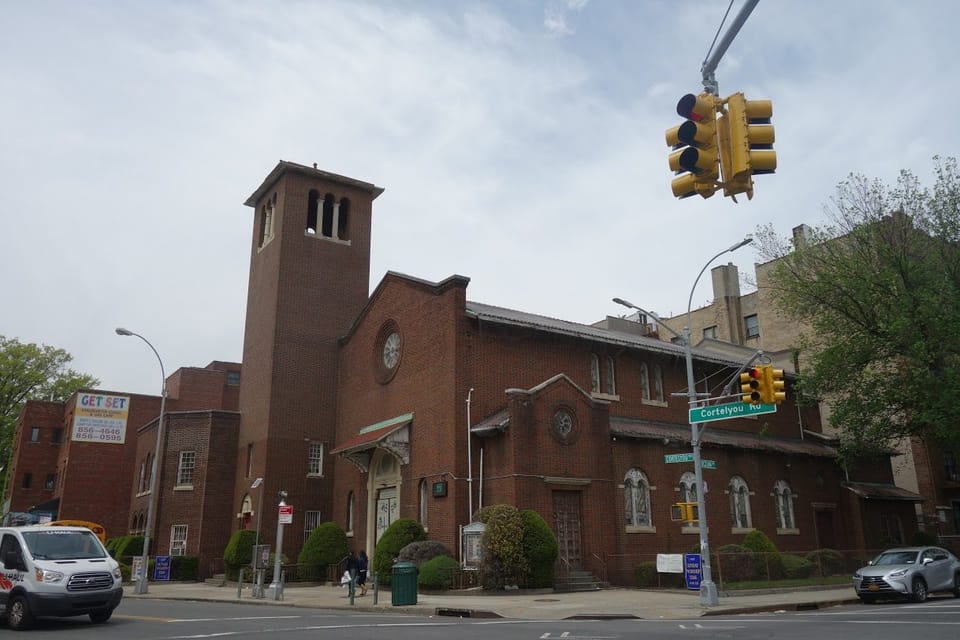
(696, 157)
(773, 389)
(746, 139)
(751, 381)
(684, 512)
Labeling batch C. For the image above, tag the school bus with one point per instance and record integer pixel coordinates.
(97, 529)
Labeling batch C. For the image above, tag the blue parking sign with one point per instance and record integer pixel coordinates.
(693, 570)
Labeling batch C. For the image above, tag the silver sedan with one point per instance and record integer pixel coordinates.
(913, 572)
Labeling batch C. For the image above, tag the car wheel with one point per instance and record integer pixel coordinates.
(19, 617)
(100, 617)
(919, 591)
(868, 599)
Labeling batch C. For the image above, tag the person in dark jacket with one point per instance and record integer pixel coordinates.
(363, 564)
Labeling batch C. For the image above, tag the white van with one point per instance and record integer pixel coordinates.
(56, 572)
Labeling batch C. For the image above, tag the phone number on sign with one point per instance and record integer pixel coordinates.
(89, 433)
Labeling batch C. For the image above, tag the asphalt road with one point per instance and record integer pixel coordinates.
(146, 619)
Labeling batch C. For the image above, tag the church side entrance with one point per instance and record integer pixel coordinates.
(566, 519)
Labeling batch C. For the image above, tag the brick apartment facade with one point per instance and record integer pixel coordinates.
(367, 408)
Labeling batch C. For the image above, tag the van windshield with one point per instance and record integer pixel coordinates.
(61, 544)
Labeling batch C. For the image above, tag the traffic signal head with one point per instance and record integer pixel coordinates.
(746, 143)
(684, 512)
(773, 386)
(695, 153)
(750, 382)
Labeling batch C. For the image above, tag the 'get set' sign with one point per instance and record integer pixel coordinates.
(100, 418)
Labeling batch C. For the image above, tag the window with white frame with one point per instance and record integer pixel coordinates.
(188, 460)
(752, 326)
(178, 540)
(594, 373)
(636, 491)
(644, 381)
(311, 520)
(710, 332)
(783, 500)
(658, 383)
(315, 459)
(423, 503)
(688, 487)
(611, 382)
(739, 503)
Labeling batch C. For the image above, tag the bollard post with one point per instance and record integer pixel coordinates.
(376, 588)
(240, 583)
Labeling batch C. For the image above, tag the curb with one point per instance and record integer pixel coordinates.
(798, 606)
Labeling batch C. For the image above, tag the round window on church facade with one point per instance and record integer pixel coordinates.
(387, 352)
(564, 426)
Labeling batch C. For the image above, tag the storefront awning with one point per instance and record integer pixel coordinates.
(392, 434)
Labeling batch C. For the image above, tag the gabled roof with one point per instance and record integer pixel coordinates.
(878, 491)
(510, 317)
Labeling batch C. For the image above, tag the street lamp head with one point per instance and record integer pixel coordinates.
(742, 243)
(624, 303)
(123, 332)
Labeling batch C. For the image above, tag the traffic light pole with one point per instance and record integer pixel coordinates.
(714, 57)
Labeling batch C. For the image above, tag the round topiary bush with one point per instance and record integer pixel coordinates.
(736, 563)
(423, 550)
(238, 552)
(398, 535)
(435, 573)
(540, 548)
(326, 545)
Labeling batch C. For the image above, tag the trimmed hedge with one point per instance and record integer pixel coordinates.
(646, 575)
(435, 573)
(327, 545)
(540, 548)
(239, 552)
(422, 551)
(827, 562)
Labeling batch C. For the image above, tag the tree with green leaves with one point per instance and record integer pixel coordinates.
(878, 290)
(31, 371)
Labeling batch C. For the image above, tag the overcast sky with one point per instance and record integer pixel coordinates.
(520, 143)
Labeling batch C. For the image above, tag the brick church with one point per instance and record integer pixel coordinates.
(415, 402)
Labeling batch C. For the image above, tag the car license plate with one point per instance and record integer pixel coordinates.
(873, 587)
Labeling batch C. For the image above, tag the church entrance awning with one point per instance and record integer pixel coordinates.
(392, 434)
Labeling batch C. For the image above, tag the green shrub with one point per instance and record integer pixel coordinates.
(540, 549)
(398, 535)
(502, 561)
(238, 552)
(736, 563)
(421, 551)
(827, 562)
(435, 573)
(327, 545)
(797, 566)
(128, 546)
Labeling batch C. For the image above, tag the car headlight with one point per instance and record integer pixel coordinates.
(46, 575)
(117, 574)
(898, 574)
(857, 576)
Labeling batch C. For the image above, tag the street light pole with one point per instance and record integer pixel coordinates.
(257, 560)
(708, 589)
(142, 579)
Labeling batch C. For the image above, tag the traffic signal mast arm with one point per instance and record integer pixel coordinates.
(713, 59)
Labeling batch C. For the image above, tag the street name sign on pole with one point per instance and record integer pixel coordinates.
(729, 411)
(688, 457)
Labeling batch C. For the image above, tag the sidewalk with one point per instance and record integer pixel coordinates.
(546, 605)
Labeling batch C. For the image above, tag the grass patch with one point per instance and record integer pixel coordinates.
(787, 583)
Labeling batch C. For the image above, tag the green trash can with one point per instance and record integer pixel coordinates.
(403, 584)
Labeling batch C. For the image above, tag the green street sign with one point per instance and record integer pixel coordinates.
(688, 457)
(729, 411)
